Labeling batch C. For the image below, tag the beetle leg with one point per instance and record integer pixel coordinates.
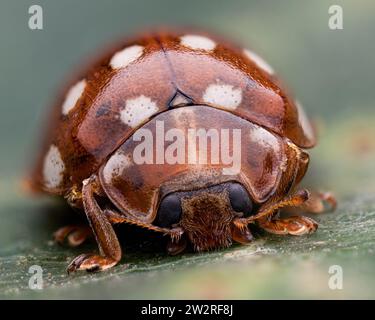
(296, 225)
(74, 234)
(318, 202)
(109, 247)
(295, 200)
(74, 197)
(242, 235)
(115, 217)
(176, 246)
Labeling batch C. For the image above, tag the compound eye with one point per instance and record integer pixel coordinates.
(240, 199)
(169, 211)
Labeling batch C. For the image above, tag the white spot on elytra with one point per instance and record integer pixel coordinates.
(223, 95)
(53, 168)
(115, 165)
(304, 121)
(73, 96)
(260, 62)
(126, 56)
(264, 138)
(138, 110)
(198, 42)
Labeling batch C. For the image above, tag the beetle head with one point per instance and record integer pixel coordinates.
(207, 216)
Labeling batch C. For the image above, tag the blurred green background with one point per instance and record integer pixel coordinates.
(331, 72)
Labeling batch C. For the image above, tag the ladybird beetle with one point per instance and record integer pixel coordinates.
(179, 81)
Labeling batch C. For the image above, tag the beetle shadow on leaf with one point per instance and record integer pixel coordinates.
(133, 239)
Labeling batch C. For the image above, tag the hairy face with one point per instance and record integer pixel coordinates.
(207, 219)
(206, 216)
